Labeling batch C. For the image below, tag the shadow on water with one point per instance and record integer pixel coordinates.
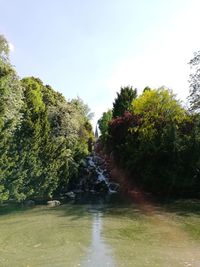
(109, 205)
(81, 207)
(104, 231)
(10, 207)
(46, 232)
(183, 207)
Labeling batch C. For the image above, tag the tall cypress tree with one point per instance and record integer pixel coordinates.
(123, 101)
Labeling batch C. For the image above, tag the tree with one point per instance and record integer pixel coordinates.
(158, 106)
(25, 179)
(43, 137)
(45, 152)
(10, 113)
(82, 108)
(10, 91)
(103, 123)
(158, 144)
(123, 101)
(4, 49)
(160, 139)
(195, 83)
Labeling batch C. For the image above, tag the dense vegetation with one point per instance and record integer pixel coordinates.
(156, 139)
(43, 137)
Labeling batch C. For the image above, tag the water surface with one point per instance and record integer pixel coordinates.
(99, 235)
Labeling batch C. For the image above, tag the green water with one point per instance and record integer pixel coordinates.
(99, 235)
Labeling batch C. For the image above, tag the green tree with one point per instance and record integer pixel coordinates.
(10, 115)
(155, 143)
(43, 137)
(10, 91)
(50, 143)
(82, 108)
(123, 101)
(157, 106)
(4, 49)
(194, 97)
(24, 180)
(103, 123)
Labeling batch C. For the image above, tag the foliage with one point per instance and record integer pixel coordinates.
(158, 142)
(10, 91)
(10, 116)
(103, 123)
(195, 83)
(123, 101)
(4, 49)
(158, 108)
(83, 108)
(43, 137)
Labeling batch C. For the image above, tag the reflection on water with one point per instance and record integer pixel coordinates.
(99, 253)
(98, 235)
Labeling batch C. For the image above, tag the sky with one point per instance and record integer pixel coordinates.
(90, 48)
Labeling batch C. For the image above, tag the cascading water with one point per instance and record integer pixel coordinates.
(95, 180)
(102, 177)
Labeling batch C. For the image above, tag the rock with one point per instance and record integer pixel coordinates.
(99, 161)
(91, 162)
(78, 191)
(92, 191)
(53, 203)
(101, 187)
(114, 186)
(70, 194)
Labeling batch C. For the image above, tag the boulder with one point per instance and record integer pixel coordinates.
(53, 203)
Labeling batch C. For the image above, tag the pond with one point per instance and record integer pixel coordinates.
(100, 235)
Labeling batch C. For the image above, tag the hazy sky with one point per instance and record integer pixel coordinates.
(89, 48)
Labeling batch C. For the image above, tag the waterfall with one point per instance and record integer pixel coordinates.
(94, 181)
